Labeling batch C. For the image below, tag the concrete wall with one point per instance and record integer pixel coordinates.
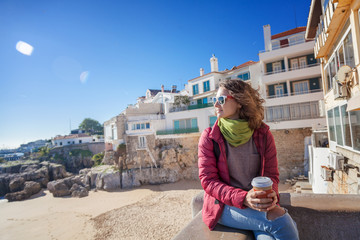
(346, 181)
(95, 147)
(143, 108)
(290, 151)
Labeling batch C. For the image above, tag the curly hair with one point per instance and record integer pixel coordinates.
(251, 102)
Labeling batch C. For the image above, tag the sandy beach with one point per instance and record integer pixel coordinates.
(148, 212)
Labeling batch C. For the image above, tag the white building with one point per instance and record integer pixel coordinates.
(291, 81)
(200, 114)
(59, 141)
(335, 27)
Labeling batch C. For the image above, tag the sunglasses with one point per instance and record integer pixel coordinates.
(221, 99)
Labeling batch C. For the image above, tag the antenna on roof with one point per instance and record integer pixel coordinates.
(295, 16)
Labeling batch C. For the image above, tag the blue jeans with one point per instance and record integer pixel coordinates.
(282, 228)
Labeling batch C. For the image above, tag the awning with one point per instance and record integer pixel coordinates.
(353, 104)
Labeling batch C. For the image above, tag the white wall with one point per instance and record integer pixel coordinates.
(318, 158)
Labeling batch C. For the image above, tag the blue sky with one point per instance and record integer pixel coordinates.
(120, 49)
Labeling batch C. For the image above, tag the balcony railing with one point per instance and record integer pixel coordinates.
(276, 47)
(191, 107)
(322, 29)
(298, 111)
(292, 69)
(177, 131)
(294, 93)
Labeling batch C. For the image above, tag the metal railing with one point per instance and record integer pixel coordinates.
(294, 93)
(191, 107)
(292, 69)
(177, 131)
(284, 46)
(297, 111)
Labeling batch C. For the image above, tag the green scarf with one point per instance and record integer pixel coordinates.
(236, 132)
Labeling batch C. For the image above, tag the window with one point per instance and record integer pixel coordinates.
(302, 62)
(138, 126)
(276, 67)
(143, 126)
(296, 111)
(185, 123)
(212, 120)
(60, 143)
(133, 127)
(195, 89)
(205, 100)
(142, 142)
(206, 86)
(294, 64)
(80, 141)
(338, 130)
(331, 124)
(346, 125)
(340, 57)
(279, 91)
(349, 51)
(244, 76)
(147, 125)
(296, 39)
(301, 87)
(275, 44)
(328, 79)
(355, 129)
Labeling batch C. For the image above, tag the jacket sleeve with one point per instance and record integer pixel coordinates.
(271, 163)
(209, 175)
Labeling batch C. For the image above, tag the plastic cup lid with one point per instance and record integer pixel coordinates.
(261, 182)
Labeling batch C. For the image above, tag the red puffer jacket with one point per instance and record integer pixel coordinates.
(214, 174)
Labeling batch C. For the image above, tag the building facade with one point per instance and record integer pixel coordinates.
(292, 88)
(71, 139)
(335, 27)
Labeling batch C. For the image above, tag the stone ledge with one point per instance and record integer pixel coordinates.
(318, 216)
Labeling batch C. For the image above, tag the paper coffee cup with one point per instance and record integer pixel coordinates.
(262, 184)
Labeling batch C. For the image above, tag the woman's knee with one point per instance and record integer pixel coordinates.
(275, 213)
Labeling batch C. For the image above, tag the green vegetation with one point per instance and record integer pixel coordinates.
(2, 160)
(181, 100)
(98, 158)
(43, 151)
(91, 126)
(58, 158)
(17, 162)
(82, 153)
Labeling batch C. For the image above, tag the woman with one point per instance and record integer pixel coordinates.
(246, 150)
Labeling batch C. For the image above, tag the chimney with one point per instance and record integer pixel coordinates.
(173, 89)
(214, 64)
(201, 71)
(162, 88)
(267, 37)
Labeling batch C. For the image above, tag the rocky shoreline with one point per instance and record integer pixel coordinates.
(20, 181)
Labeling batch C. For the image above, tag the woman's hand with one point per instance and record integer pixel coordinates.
(260, 204)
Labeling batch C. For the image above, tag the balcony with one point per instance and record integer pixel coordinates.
(298, 97)
(327, 30)
(302, 47)
(289, 112)
(309, 70)
(177, 131)
(191, 107)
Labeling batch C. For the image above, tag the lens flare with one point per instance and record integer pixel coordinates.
(24, 48)
(84, 76)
